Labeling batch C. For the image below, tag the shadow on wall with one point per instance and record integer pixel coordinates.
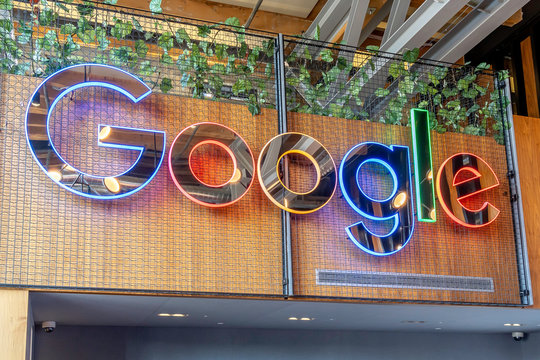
(138, 343)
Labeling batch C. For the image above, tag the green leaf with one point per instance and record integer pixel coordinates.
(204, 30)
(148, 35)
(166, 85)
(68, 29)
(241, 86)
(141, 48)
(85, 31)
(221, 51)
(380, 92)
(307, 55)
(253, 106)
(155, 6)
(406, 85)
(85, 9)
(110, 2)
(268, 70)
(101, 36)
(482, 66)
(232, 21)
(372, 48)
(121, 56)
(396, 70)
(70, 47)
(146, 68)
(450, 91)
(26, 33)
(411, 56)
(48, 41)
(166, 59)
(5, 26)
(317, 35)
(47, 17)
(326, 55)
(136, 24)
(181, 36)
(165, 41)
(121, 29)
(440, 72)
(6, 5)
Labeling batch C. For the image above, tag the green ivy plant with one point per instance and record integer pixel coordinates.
(211, 68)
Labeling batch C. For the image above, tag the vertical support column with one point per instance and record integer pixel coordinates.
(14, 317)
(515, 192)
(281, 106)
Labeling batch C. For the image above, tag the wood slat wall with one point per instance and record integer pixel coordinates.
(527, 133)
(158, 240)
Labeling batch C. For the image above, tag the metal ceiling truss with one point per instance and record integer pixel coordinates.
(474, 27)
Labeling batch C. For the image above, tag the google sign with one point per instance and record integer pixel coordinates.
(451, 185)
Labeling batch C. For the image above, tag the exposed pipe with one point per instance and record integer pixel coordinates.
(252, 15)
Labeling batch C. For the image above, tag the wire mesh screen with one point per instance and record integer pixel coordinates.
(343, 98)
(156, 240)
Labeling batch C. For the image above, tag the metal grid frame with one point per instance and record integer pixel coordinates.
(278, 95)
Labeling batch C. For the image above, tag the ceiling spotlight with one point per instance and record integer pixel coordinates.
(305, 319)
(293, 318)
(507, 324)
(179, 315)
(163, 314)
(516, 324)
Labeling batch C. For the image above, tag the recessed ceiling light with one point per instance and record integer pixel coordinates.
(179, 315)
(293, 318)
(163, 314)
(305, 319)
(516, 324)
(412, 321)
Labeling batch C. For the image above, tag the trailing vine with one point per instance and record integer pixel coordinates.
(223, 62)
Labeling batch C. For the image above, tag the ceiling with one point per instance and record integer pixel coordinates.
(299, 8)
(134, 310)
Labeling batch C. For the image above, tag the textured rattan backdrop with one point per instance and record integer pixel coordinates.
(159, 241)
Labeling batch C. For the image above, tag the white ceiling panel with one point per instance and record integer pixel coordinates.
(300, 8)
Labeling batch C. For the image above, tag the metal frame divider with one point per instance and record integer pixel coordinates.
(281, 106)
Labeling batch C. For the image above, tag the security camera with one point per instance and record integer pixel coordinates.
(518, 335)
(48, 326)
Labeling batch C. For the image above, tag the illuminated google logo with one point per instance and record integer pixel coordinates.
(451, 186)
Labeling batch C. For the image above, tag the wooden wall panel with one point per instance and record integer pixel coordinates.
(442, 248)
(158, 240)
(154, 240)
(13, 316)
(527, 132)
(529, 76)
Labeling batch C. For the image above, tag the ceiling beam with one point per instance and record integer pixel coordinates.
(217, 12)
(355, 22)
(330, 19)
(422, 24)
(397, 16)
(379, 16)
(478, 24)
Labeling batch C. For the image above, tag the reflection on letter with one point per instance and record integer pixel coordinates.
(196, 190)
(149, 143)
(397, 207)
(452, 191)
(273, 187)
